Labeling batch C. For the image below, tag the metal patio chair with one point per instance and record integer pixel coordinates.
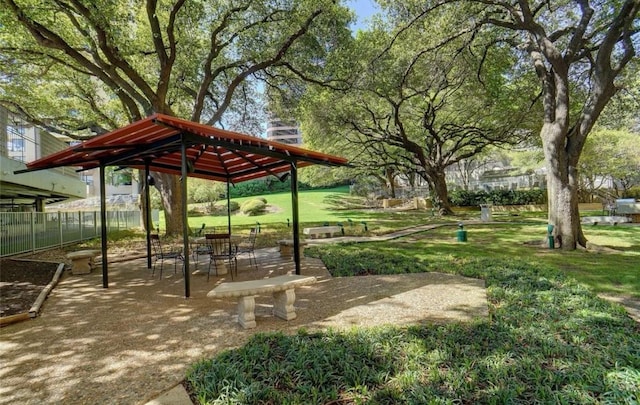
(161, 254)
(248, 247)
(222, 250)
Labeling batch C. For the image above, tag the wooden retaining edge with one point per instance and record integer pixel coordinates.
(8, 320)
(35, 308)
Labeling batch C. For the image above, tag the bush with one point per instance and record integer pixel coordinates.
(253, 207)
(264, 186)
(220, 208)
(203, 191)
(195, 212)
(497, 197)
(633, 192)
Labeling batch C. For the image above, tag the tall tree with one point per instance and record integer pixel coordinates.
(610, 163)
(80, 67)
(577, 48)
(416, 105)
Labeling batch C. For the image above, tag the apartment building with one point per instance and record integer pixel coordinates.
(283, 131)
(20, 143)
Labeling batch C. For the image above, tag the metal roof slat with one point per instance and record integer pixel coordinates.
(215, 153)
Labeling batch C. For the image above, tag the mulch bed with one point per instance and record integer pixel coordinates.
(21, 282)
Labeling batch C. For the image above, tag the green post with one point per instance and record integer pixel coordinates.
(461, 233)
(552, 242)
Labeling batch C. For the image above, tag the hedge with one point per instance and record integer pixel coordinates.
(497, 197)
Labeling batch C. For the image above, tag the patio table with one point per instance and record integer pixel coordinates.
(202, 245)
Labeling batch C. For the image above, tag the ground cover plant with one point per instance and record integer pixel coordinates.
(549, 338)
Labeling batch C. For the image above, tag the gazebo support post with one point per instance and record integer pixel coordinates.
(296, 220)
(228, 210)
(185, 221)
(147, 211)
(103, 226)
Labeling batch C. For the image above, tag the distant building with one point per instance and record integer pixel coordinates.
(509, 178)
(283, 131)
(21, 143)
(117, 183)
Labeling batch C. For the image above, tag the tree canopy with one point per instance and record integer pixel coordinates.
(579, 51)
(416, 104)
(79, 67)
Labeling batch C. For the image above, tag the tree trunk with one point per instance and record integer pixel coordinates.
(171, 196)
(390, 180)
(440, 194)
(562, 189)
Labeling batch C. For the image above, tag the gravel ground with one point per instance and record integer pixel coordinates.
(130, 342)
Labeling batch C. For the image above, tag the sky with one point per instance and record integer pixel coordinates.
(364, 9)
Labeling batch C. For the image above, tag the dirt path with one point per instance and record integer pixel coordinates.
(631, 304)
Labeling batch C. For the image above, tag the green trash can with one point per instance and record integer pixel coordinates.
(461, 233)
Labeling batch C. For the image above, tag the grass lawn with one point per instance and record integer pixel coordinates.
(615, 269)
(549, 338)
(313, 206)
(319, 206)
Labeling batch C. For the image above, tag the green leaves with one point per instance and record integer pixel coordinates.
(182, 58)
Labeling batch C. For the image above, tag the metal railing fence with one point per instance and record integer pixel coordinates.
(22, 232)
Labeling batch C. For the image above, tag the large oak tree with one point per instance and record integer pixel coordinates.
(415, 104)
(579, 50)
(81, 67)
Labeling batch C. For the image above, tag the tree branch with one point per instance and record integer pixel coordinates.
(16, 109)
(49, 39)
(262, 65)
(577, 39)
(115, 58)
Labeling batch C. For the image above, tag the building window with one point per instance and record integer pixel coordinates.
(15, 145)
(88, 179)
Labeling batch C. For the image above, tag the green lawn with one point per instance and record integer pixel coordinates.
(613, 269)
(603, 272)
(313, 206)
(548, 339)
(320, 206)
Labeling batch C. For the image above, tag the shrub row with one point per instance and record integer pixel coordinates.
(264, 186)
(633, 192)
(497, 197)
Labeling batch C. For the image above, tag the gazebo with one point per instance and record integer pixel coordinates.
(166, 144)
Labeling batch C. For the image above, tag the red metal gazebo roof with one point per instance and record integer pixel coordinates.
(212, 153)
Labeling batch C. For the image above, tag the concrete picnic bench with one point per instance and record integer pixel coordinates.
(82, 261)
(609, 219)
(286, 247)
(282, 288)
(322, 230)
